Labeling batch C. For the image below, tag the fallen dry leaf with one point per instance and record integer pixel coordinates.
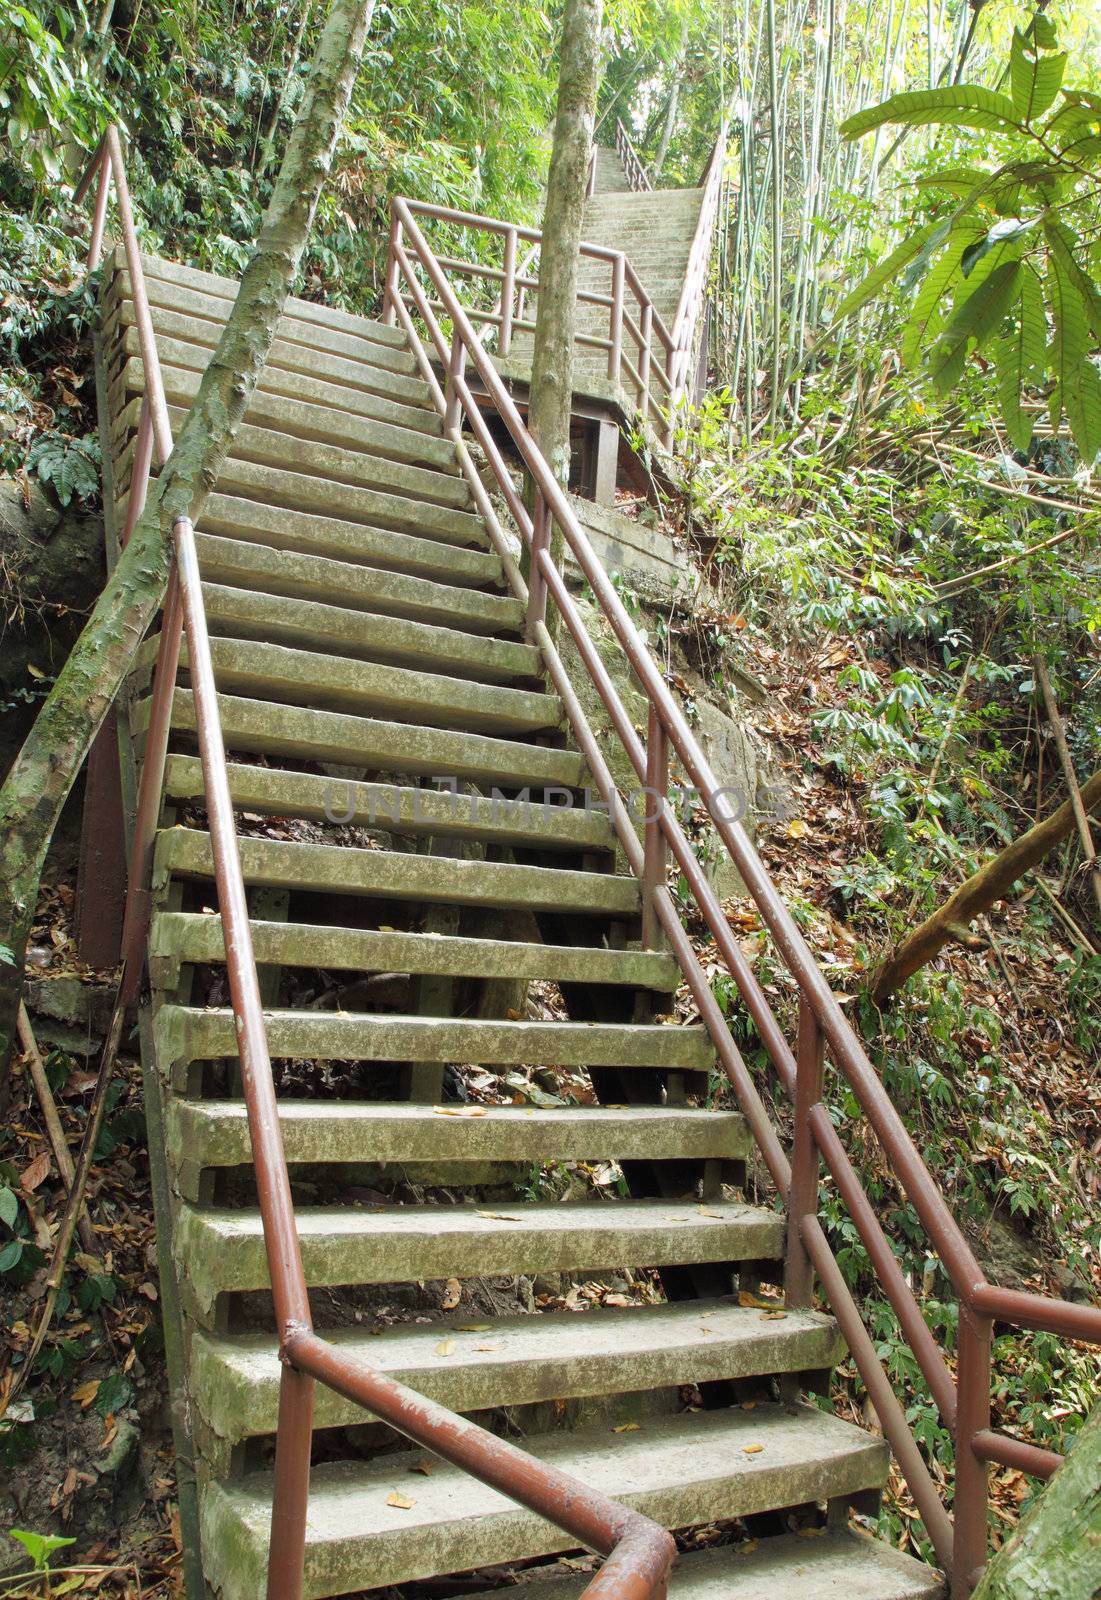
(452, 1294)
(85, 1393)
(402, 1501)
(627, 1427)
(752, 1449)
(36, 1170)
(460, 1111)
(446, 1347)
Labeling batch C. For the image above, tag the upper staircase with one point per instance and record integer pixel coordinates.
(417, 851)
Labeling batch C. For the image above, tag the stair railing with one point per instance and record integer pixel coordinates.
(633, 164)
(693, 295)
(639, 1552)
(963, 1398)
(634, 323)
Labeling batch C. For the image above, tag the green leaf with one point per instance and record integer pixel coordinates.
(1077, 384)
(113, 1393)
(1002, 232)
(884, 272)
(1064, 244)
(11, 1255)
(1035, 79)
(7, 957)
(927, 316)
(1043, 31)
(9, 1206)
(961, 105)
(957, 180)
(977, 318)
(40, 1546)
(1020, 359)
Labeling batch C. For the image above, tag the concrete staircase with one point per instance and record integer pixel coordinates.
(365, 644)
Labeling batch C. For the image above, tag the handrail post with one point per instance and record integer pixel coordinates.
(99, 216)
(972, 1474)
(615, 330)
(646, 328)
(291, 1485)
(508, 289)
(139, 473)
(537, 583)
(456, 367)
(655, 845)
(803, 1195)
(390, 295)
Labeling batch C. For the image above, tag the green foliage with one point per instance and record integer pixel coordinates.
(1013, 262)
(40, 1546)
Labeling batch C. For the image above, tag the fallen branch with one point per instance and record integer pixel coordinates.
(953, 586)
(55, 1133)
(978, 893)
(1081, 821)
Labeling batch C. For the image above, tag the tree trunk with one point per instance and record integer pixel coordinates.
(672, 106)
(1055, 1552)
(552, 359)
(45, 769)
(979, 893)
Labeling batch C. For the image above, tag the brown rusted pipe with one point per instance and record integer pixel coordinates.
(1007, 1452)
(99, 216)
(972, 1490)
(642, 1549)
(147, 342)
(1039, 1311)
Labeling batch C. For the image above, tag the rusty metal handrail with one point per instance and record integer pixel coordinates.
(965, 1401)
(639, 1551)
(633, 164)
(694, 291)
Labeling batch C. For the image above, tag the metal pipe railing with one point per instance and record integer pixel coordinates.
(964, 1402)
(633, 164)
(639, 1552)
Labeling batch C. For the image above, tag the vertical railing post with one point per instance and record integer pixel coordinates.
(972, 1416)
(537, 584)
(615, 320)
(390, 295)
(508, 289)
(646, 328)
(291, 1485)
(99, 217)
(803, 1193)
(655, 849)
(139, 473)
(455, 370)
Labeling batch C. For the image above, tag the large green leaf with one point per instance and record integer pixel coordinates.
(885, 271)
(957, 180)
(961, 105)
(1077, 385)
(929, 309)
(1020, 359)
(1064, 245)
(978, 317)
(1002, 233)
(1035, 78)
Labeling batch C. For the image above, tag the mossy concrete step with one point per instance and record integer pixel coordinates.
(221, 1251)
(188, 1034)
(363, 636)
(268, 728)
(378, 436)
(188, 342)
(392, 808)
(182, 367)
(179, 936)
(363, 345)
(696, 1471)
(344, 683)
(376, 549)
(817, 1564)
(519, 1360)
(401, 875)
(309, 311)
(215, 1133)
(355, 469)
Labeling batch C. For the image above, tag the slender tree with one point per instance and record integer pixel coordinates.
(47, 766)
(552, 360)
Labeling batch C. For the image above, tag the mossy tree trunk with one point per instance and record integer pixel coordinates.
(1055, 1552)
(47, 765)
(567, 181)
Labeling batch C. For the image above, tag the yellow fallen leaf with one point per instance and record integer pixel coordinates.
(705, 1211)
(627, 1427)
(745, 1549)
(810, 1533)
(424, 1466)
(487, 1347)
(773, 1316)
(499, 1216)
(474, 1327)
(445, 1347)
(752, 1449)
(797, 828)
(747, 1299)
(459, 1111)
(86, 1393)
(402, 1501)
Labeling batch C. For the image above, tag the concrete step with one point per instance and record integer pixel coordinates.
(817, 1564)
(188, 1034)
(402, 875)
(520, 1360)
(188, 343)
(214, 1133)
(360, 635)
(367, 591)
(221, 1251)
(309, 311)
(179, 936)
(610, 176)
(350, 543)
(268, 728)
(343, 683)
(363, 345)
(389, 436)
(278, 793)
(696, 1471)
